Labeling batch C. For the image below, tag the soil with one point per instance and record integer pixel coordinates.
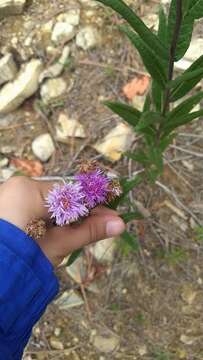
(151, 299)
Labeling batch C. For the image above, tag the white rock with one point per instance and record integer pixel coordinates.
(53, 89)
(193, 53)
(3, 162)
(62, 32)
(14, 93)
(90, 3)
(138, 102)
(7, 172)
(71, 17)
(103, 250)
(43, 147)
(67, 127)
(116, 142)
(87, 38)
(8, 68)
(68, 300)
(56, 344)
(11, 7)
(106, 344)
(57, 68)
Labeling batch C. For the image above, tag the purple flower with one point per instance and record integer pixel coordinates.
(66, 203)
(94, 186)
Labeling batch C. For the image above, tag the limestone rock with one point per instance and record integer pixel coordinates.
(43, 147)
(56, 344)
(69, 299)
(116, 142)
(106, 344)
(26, 84)
(57, 68)
(89, 3)
(62, 32)
(8, 68)
(53, 89)
(11, 7)
(71, 17)
(67, 127)
(87, 38)
(3, 162)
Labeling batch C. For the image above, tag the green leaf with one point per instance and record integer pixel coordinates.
(128, 185)
(186, 106)
(130, 240)
(196, 9)
(126, 112)
(186, 30)
(138, 25)
(139, 157)
(147, 103)
(156, 158)
(73, 257)
(131, 216)
(182, 120)
(156, 90)
(163, 30)
(165, 142)
(152, 62)
(157, 95)
(187, 80)
(147, 119)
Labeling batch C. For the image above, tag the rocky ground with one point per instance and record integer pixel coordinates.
(59, 61)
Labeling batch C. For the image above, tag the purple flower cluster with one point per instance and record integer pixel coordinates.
(72, 201)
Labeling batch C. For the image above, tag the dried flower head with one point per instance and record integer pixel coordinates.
(94, 186)
(114, 190)
(66, 203)
(88, 166)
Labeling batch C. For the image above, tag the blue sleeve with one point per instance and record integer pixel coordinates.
(27, 285)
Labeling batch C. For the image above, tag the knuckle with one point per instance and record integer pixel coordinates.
(93, 233)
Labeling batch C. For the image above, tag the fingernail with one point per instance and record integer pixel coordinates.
(115, 227)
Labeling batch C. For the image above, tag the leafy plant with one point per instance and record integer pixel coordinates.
(160, 118)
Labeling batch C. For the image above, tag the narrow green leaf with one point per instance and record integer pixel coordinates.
(147, 119)
(166, 141)
(138, 156)
(185, 77)
(147, 103)
(196, 9)
(131, 216)
(185, 107)
(163, 29)
(182, 120)
(130, 240)
(157, 95)
(181, 89)
(128, 185)
(156, 158)
(151, 61)
(138, 25)
(73, 257)
(126, 112)
(186, 30)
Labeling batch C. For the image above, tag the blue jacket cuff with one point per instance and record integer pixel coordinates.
(27, 279)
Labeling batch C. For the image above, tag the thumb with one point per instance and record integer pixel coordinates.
(59, 242)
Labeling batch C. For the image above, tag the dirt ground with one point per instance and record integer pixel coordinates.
(151, 301)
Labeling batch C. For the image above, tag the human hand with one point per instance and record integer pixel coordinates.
(23, 200)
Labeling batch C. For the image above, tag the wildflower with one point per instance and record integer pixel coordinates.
(94, 185)
(66, 203)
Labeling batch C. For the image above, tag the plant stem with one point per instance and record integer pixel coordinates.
(172, 52)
